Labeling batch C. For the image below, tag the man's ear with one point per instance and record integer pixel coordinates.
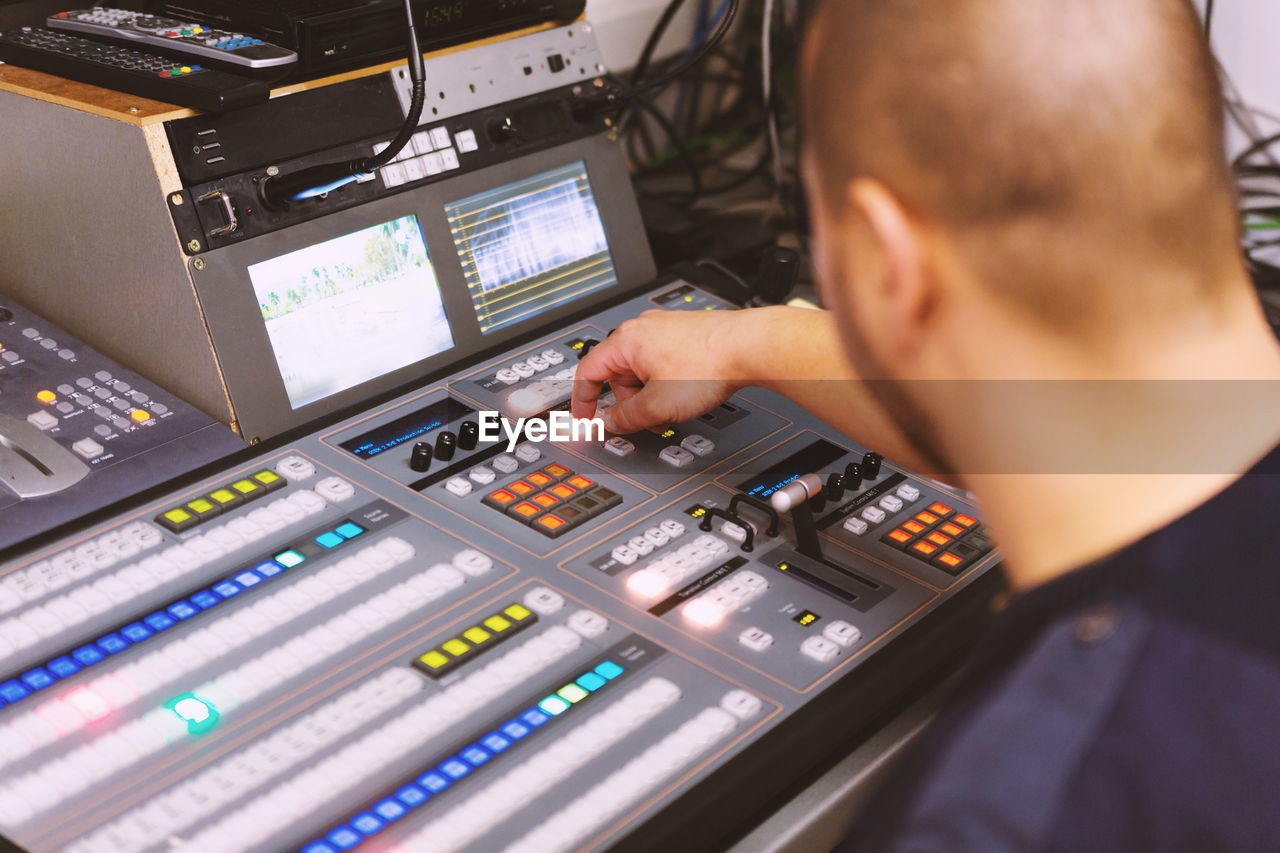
(901, 287)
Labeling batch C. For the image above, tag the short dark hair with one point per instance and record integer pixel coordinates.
(1058, 142)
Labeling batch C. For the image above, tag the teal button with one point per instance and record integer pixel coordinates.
(591, 682)
(289, 559)
(329, 540)
(609, 670)
(348, 530)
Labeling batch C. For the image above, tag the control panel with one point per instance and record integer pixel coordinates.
(401, 631)
(78, 431)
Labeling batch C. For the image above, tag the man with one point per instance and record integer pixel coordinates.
(1026, 235)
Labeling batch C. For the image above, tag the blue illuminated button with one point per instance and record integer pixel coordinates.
(204, 599)
(534, 717)
(181, 610)
(515, 730)
(268, 569)
(344, 837)
(329, 540)
(348, 530)
(434, 782)
(63, 666)
(159, 621)
(475, 755)
(495, 742)
(390, 809)
(367, 823)
(87, 655)
(412, 795)
(319, 847)
(136, 632)
(38, 678)
(248, 578)
(13, 690)
(609, 670)
(113, 643)
(454, 768)
(289, 559)
(226, 589)
(591, 682)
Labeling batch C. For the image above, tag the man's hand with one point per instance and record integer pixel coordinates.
(664, 367)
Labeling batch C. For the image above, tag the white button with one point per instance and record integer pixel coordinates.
(414, 170)
(528, 452)
(295, 468)
(891, 503)
(482, 475)
(624, 555)
(657, 536)
(588, 623)
(450, 158)
(672, 528)
(433, 164)
(842, 633)
(505, 463)
(421, 143)
(640, 545)
(619, 446)
(88, 448)
(752, 581)
(736, 532)
(335, 489)
(507, 376)
(392, 175)
(440, 136)
(874, 514)
(819, 648)
(855, 525)
(466, 141)
(908, 493)
(458, 486)
(523, 369)
(676, 457)
(704, 612)
(538, 363)
(42, 420)
(756, 639)
(698, 445)
(472, 562)
(648, 583)
(741, 704)
(543, 601)
(553, 356)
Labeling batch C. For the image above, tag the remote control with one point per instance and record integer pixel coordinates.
(131, 71)
(182, 38)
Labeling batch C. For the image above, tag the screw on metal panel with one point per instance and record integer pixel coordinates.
(273, 171)
(135, 110)
(198, 263)
(255, 440)
(176, 199)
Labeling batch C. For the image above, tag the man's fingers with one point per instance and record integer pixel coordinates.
(644, 408)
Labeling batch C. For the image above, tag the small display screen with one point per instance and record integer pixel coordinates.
(406, 429)
(811, 459)
(531, 245)
(351, 309)
(806, 617)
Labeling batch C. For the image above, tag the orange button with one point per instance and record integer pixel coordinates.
(900, 535)
(502, 497)
(965, 520)
(520, 487)
(914, 527)
(46, 396)
(580, 482)
(938, 538)
(545, 500)
(140, 416)
(926, 518)
(539, 479)
(950, 559)
(551, 522)
(940, 508)
(556, 470)
(563, 490)
(951, 529)
(526, 509)
(925, 548)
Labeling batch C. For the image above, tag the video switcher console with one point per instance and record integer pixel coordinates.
(389, 632)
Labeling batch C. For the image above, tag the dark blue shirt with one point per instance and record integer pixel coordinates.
(1131, 705)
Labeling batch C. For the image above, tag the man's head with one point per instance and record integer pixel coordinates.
(1048, 169)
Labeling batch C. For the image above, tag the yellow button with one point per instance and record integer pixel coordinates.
(518, 612)
(200, 506)
(456, 647)
(197, 30)
(476, 635)
(266, 477)
(434, 659)
(244, 487)
(46, 396)
(224, 496)
(140, 416)
(186, 69)
(497, 623)
(178, 515)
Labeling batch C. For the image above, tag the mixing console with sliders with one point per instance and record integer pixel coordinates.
(392, 631)
(78, 431)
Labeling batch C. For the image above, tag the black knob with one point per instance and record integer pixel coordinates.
(778, 273)
(446, 442)
(835, 487)
(5, 315)
(502, 130)
(586, 348)
(420, 458)
(871, 465)
(468, 435)
(853, 476)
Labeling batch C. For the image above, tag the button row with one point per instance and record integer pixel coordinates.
(552, 501)
(644, 544)
(941, 536)
(199, 510)
(708, 609)
(480, 638)
(872, 515)
(514, 372)
(666, 572)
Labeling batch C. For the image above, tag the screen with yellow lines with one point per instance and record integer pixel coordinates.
(531, 245)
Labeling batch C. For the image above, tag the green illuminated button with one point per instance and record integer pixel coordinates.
(518, 612)
(456, 647)
(270, 479)
(434, 659)
(203, 508)
(497, 624)
(248, 488)
(289, 559)
(572, 693)
(177, 519)
(553, 705)
(199, 715)
(225, 498)
(476, 635)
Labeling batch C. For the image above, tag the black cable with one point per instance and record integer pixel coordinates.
(1208, 19)
(655, 36)
(682, 151)
(280, 192)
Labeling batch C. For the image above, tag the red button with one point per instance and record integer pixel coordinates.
(926, 518)
(526, 509)
(563, 490)
(924, 548)
(965, 520)
(502, 497)
(950, 559)
(951, 529)
(900, 536)
(545, 500)
(551, 522)
(520, 487)
(940, 508)
(938, 539)
(580, 482)
(539, 479)
(557, 471)
(914, 527)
